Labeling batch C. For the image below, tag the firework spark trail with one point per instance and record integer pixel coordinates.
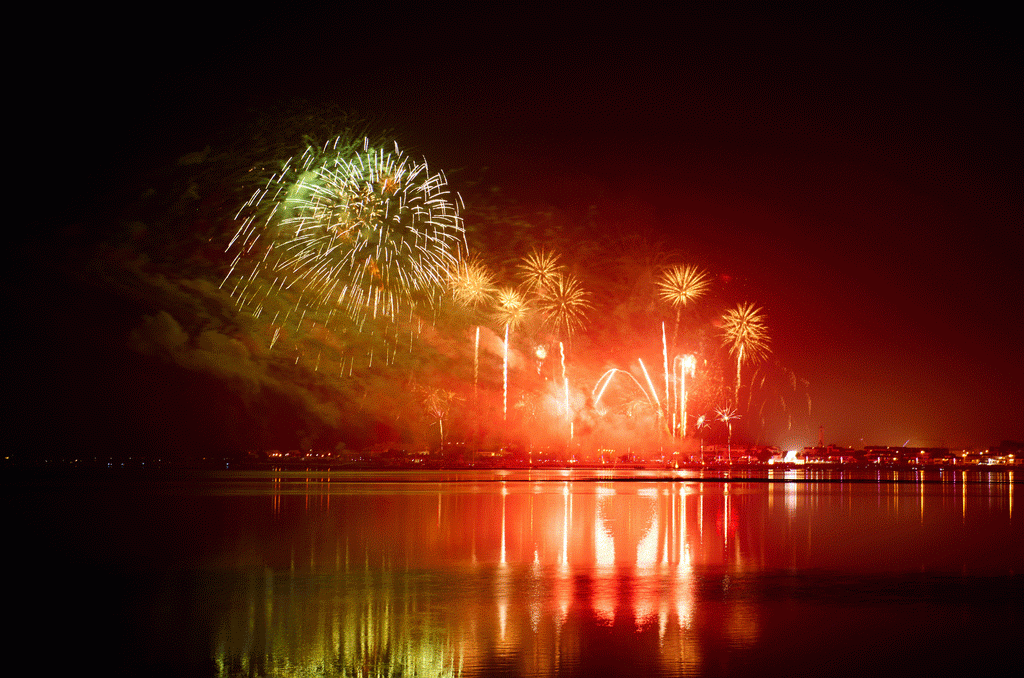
(472, 284)
(565, 378)
(650, 383)
(664, 354)
(368, 232)
(727, 415)
(541, 352)
(606, 379)
(676, 387)
(504, 381)
(687, 365)
(511, 312)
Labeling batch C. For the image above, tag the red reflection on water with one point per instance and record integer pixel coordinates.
(547, 572)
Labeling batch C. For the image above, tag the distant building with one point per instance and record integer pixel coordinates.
(831, 454)
(909, 455)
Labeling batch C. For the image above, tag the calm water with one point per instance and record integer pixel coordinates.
(518, 574)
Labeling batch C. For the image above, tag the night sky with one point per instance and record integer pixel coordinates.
(856, 175)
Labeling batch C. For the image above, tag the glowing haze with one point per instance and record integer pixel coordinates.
(388, 310)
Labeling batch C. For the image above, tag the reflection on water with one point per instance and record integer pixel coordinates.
(557, 573)
(464, 577)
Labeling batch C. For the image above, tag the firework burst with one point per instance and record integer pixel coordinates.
(365, 233)
(746, 336)
(540, 270)
(679, 285)
(512, 308)
(470, 282)
(564, 305)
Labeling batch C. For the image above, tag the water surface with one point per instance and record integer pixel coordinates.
(520, 573)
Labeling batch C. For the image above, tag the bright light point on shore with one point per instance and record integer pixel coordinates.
(792, 457)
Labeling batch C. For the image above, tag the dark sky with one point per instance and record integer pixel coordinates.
(860, 171)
